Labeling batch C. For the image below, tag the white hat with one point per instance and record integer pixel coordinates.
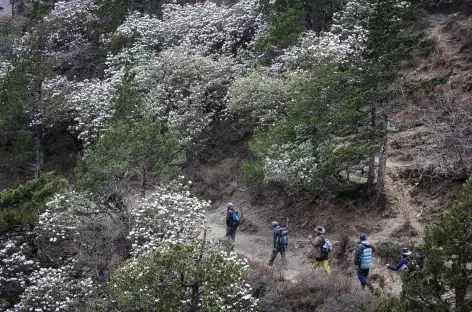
(406, 252)
(320, 229)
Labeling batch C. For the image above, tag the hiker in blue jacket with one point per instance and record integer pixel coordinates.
(280, 243)
(363, 260)
(404, 262)
(232, 221)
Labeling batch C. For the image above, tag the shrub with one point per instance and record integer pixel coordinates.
(388, 251)
(182, 277)
(21, 205)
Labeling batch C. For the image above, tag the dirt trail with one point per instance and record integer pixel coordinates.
(406, 220)
(258, 246)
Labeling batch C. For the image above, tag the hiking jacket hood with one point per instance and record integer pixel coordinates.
(363, 256)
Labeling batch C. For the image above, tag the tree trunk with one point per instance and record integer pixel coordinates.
(371, 172)
(143, 183)
(460, 295)
(39, 151)
(196, 286)
(383, 158)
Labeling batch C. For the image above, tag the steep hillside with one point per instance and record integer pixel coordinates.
(127, 126)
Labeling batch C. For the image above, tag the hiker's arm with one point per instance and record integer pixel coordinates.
(373, 248)
(317, 242)
(228, 218)
(275, 240)
(397, 267)
(357, 256)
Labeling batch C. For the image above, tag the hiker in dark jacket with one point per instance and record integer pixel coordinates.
(404, 262)
(363, 260)
(280, 243)
(231, 224)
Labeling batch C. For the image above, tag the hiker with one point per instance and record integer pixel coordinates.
(417, 263)
(232, 221)
(280, 243)
(363, 260)
(404, 261)
(322, 249)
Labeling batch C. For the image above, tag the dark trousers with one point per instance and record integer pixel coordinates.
(274, 255)
(362, 275)
(231, 232)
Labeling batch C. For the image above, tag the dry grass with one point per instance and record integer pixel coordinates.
(406, 229)
(315, 292)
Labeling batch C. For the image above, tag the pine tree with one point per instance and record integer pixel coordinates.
(443, 284)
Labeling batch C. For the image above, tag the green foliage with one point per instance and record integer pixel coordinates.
(127, 152)
(18, 151)
(317, 13)
(10, 30)
(391, 305)
(20, 206)
(285, 31)
(179, 279)
(388, 251)
(132, 147)
(447, 268)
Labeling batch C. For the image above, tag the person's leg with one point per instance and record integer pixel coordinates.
(362, 277)
(229, 231)
(316, 263)
(284, 259)
(274, 255)
(325, 264)
(233, 234)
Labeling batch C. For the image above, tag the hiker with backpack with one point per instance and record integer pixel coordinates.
(280, 243)
(363, 260)
(232, 221)
(322, 247)
(403, 265)
(418, 262)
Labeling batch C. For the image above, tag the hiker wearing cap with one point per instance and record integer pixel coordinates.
(404, 261)
(322, 248)
(232, 221)
(363, 259)
(280, 243)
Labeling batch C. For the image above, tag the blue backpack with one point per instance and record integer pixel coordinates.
(327, 246)
(236, 218)
(282, 240)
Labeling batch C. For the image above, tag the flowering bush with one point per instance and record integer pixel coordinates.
(342, 44)
(169, 215)
(74, 227)
(53, 289)
(61, 221)
(4, 67)
(92, 105)
(16, 265)
(185, 91)
(183, 277)
(264, 96)
(205, 27)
